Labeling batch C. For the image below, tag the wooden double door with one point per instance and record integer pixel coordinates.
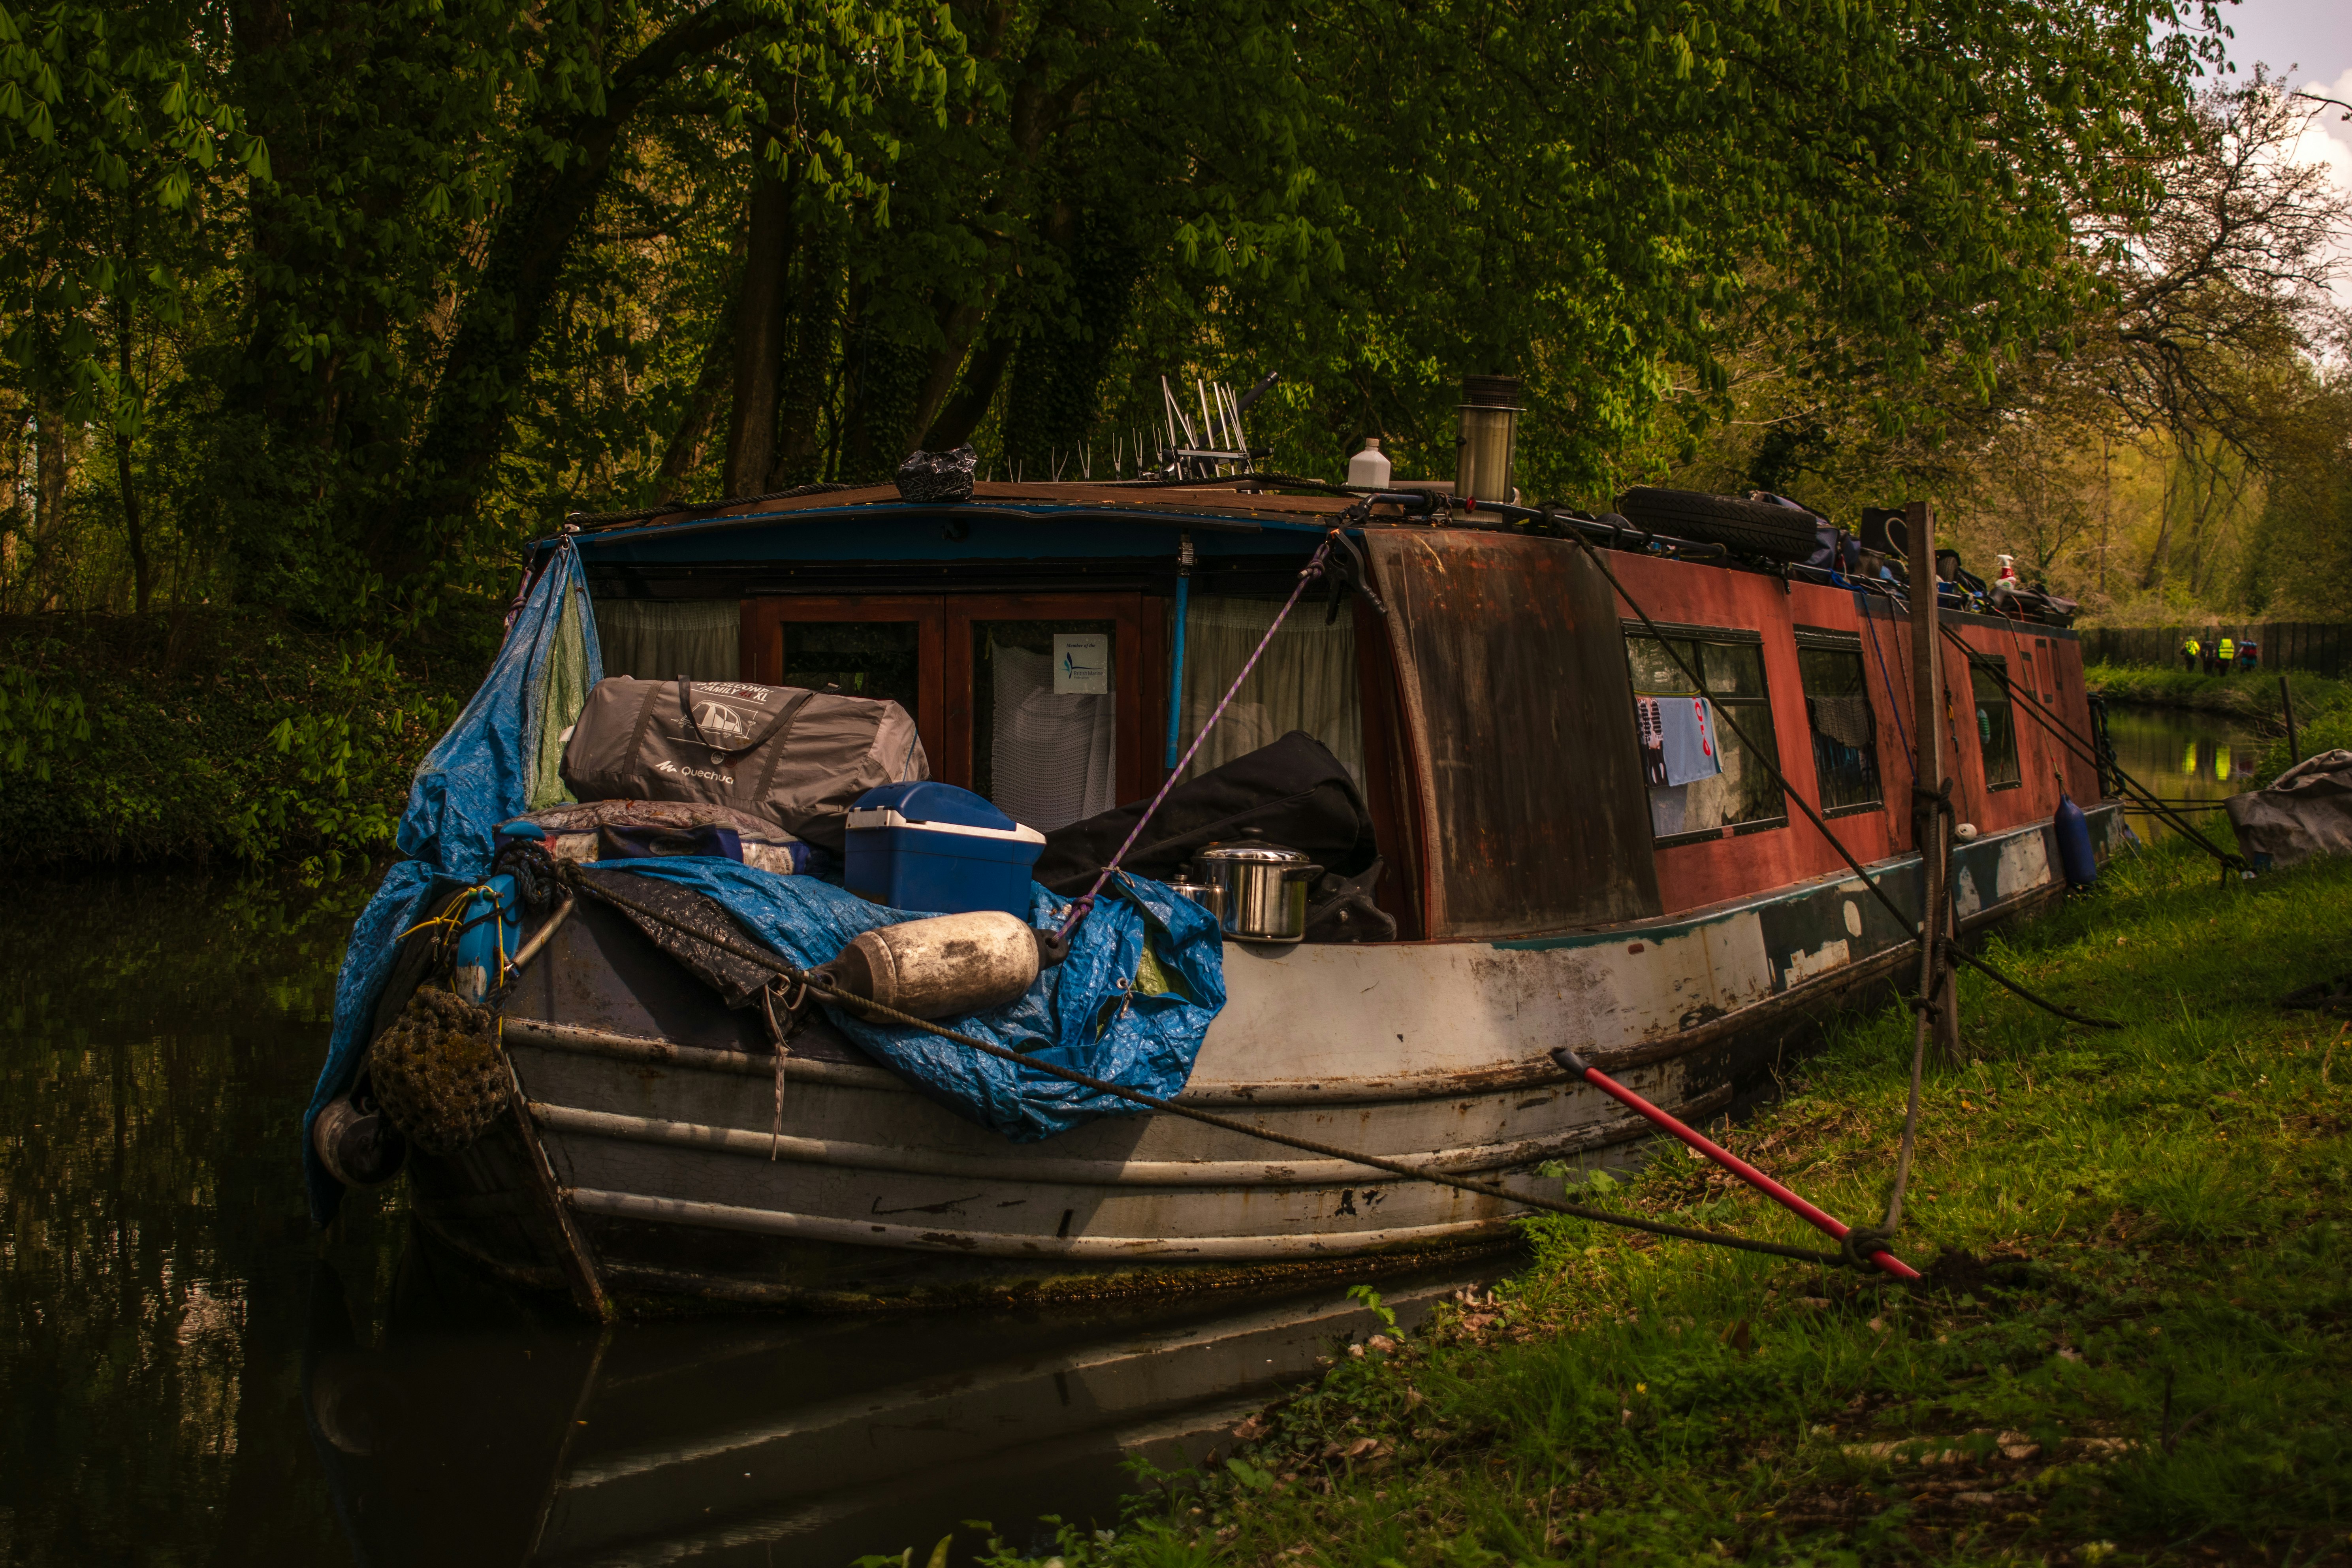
(957, 662)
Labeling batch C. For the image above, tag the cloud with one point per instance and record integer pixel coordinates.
(2326, 141)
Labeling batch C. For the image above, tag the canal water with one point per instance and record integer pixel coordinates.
(2187, 759)
(189, 1374)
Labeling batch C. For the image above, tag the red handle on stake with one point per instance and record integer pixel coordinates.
(1725, 1158)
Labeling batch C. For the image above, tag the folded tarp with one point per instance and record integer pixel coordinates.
(1103, 1011)
(2306, 811)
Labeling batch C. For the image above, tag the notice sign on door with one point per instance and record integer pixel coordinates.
(1081, 664)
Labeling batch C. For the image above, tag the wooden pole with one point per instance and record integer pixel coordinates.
(2293, 742)
(1933, 829)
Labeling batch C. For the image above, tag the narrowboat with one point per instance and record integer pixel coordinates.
(1553, 872)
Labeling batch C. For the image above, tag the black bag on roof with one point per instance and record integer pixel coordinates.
(1294, 792)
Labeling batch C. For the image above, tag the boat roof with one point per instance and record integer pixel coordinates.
(1229, 507)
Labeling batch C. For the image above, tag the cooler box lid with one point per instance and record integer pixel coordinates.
(937, 808)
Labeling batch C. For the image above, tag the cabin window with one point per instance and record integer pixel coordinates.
(1837, 710)
(653, 639)
(869, 645)
(1307, 681)
(1702, 777)
(1996, 731)
(881, 659)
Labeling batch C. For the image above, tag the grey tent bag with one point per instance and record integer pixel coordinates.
(799, 759)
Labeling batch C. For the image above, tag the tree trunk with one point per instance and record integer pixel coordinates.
(959, 324)
(761, 325)
(684, 453)
(963, 412)
(801, 383)
(143, 574)
(52, 470)
(2152, 569)
(488, 362)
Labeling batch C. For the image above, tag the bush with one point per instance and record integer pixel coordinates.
(227, 735)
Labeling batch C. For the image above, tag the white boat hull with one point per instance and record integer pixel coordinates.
(658, 1109)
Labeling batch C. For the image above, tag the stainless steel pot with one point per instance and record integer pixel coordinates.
(1208, 894)
(1264, 888)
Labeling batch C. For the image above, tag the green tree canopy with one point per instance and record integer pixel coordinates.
(366, 293)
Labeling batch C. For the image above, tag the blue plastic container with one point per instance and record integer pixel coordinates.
(938, 849)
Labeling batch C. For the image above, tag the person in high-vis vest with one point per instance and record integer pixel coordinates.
(2229, 654)
(2188, 652)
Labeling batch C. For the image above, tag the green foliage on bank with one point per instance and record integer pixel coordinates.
(223, 735)
(335, 310)
(2130, 1345)
(2249, 694)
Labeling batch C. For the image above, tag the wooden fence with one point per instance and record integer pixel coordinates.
(2310, 646)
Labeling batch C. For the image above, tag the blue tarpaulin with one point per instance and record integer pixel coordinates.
(1086, 1014)
(496, 763)
(482, 772)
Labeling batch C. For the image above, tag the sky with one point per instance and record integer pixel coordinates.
(2308, 44)
(2317, 33)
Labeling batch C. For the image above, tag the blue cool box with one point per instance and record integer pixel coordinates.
(938, 849)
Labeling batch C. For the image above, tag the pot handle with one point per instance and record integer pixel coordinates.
(1308, 872)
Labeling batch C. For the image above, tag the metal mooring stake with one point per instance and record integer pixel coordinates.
(1727, 1159)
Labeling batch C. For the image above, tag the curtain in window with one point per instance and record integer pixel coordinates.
(1305, 681)
(1845, 736)
(655, 640)
(1052, 758)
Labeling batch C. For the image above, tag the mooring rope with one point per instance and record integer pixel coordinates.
(1312, 569)
(822, 988)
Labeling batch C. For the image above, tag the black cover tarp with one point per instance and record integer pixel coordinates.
(1294, 792)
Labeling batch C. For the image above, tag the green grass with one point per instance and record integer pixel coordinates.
(2131, 1347)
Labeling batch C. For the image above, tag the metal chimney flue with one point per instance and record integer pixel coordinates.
(1488, 450)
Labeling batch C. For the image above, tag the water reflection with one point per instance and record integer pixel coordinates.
(191, 1376)
(466, 1435)
(2187, 759)
(157, 1038)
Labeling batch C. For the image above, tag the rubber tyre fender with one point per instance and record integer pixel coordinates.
(1753, 527)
